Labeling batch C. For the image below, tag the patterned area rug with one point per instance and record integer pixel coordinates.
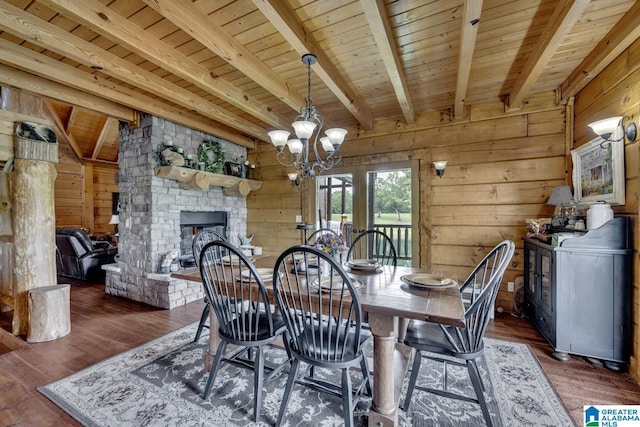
(160, 384)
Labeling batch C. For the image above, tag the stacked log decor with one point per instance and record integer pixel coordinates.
(202, 180)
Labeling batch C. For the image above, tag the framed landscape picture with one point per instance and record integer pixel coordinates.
(598, 172)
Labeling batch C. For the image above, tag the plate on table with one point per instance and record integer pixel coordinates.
(297, 258)
(428, 280)
(230, 259)
(298, 261)
(363, 264)
(266, 274)
(325, 284)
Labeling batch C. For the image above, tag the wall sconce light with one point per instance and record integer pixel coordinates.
(294, 178)
(440, 165)
(612, 129)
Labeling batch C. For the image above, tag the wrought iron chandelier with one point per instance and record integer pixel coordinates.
(304, 126)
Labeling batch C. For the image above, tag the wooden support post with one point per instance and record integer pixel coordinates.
(34, 234)
(49, 313)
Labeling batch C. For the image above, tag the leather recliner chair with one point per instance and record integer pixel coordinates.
(78, 257)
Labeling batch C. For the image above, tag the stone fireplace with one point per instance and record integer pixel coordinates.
(152, 212)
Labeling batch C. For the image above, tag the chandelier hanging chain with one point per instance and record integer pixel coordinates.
(308, 88)
(308, 121)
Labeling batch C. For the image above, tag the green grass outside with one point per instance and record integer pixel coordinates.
(384, 218)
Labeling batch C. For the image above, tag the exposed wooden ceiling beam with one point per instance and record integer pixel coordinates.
(63, 135)
(108, 163)
(62, 130)
(621, 36)
(186, 15)
(39, 64)
(285, 20)
(24, 25)
(10, 76)
(102, 137)
(71, 119)
(379, 24)
(564, 17)
(117, 28)
(470, 21)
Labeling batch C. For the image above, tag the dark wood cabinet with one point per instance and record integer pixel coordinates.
(540, 287)
(579, 294)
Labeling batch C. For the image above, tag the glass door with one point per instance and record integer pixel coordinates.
(381, 197)
(389, 208)
(334, 202)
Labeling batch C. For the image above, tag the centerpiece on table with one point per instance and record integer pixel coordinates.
(333, 245)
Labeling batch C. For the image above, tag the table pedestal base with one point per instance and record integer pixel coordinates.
(389, 368)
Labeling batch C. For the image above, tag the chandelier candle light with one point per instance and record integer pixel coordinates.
(304, 126)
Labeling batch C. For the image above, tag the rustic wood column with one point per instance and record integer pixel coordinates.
(34, 234)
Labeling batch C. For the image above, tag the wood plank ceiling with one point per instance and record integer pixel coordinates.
(232, 67)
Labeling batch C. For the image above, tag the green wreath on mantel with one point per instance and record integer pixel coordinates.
(210, 153)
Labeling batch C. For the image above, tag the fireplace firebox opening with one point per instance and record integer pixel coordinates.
(193, 222)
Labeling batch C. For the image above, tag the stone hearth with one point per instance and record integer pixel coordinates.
(150, 209)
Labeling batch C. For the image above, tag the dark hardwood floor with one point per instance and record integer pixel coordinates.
(104, 325)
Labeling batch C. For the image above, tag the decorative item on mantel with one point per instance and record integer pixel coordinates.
(210, 156)
(188, 161)
(166, 145)
(233, 169)
(304, 125)
(171, 155)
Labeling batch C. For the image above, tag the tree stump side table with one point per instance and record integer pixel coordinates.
(49, 313)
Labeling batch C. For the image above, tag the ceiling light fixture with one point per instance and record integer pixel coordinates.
(304, 126)
(612, 130)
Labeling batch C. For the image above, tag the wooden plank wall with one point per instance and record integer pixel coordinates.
(69, 189)
(502, 169)
(83, 193)
(275, 205)
(616, 92)
(105, 183)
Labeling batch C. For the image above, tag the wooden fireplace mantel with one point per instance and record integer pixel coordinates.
(193, 179)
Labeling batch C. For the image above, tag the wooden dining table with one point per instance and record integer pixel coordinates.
(387, 304)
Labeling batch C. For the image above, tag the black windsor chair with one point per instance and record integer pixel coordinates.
(430, 340)
(237, 295)
(373, 245)
(323, 317)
